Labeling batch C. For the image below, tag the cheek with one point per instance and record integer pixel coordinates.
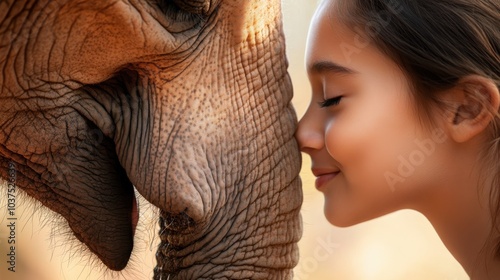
(368, 143)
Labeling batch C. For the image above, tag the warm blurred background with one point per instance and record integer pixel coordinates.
(402, 245)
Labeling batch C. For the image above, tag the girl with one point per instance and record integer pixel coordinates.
(405, 115)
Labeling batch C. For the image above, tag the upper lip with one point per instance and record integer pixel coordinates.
(323, 171)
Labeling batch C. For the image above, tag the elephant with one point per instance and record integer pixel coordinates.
(187, 102)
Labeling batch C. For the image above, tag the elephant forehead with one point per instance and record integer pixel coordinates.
(250, 20)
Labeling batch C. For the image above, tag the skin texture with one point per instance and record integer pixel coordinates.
(373, 155)
(188, 101)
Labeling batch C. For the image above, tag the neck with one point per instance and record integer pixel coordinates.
(462, 218)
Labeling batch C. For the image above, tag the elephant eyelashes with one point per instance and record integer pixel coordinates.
(173, 12)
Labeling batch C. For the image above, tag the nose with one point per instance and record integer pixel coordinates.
(310, 132)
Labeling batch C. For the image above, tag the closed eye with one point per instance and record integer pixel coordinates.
(175, 13)
(330, 102)
(177, 19)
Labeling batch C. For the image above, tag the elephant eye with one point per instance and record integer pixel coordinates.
(178, 17)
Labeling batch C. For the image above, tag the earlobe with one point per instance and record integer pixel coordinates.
(476, 101)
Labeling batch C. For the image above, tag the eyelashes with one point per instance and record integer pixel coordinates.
(175, 13)
(330, 102)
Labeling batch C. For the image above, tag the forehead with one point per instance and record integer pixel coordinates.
(334, 46)
(331, 40)
(327, 37)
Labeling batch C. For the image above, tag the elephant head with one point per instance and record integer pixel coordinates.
(188, 101)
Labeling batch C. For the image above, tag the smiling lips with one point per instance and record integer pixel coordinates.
(323, 177)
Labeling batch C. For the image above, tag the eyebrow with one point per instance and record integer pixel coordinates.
(329, 67)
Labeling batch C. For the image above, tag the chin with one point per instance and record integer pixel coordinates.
(339, 219)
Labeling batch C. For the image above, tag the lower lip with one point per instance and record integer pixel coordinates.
(323, 179)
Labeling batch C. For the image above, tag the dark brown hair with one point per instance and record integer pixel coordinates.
(436, 43)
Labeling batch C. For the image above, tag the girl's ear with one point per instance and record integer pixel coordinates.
(474, 103)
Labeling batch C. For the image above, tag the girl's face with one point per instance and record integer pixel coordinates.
(369, 152)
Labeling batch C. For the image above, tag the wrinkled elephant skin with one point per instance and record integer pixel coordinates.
(187, 101)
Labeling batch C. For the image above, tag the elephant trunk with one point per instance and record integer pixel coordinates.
(236, 216)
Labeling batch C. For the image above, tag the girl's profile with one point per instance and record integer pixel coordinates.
(404, 114)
